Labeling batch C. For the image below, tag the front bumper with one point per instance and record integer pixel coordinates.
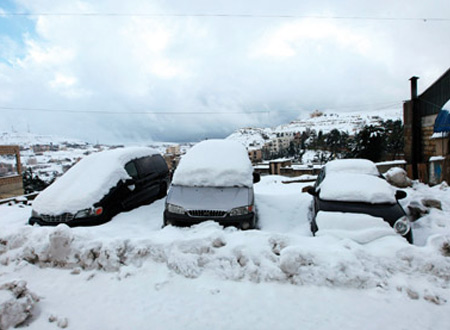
(186, 220)
(88, 221)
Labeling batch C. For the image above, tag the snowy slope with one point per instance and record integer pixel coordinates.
(351, 122)
(29, 139)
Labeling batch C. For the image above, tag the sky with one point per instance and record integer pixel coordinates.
(114, 71)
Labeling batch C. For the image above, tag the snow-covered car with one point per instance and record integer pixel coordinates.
(102, 185)
(356, 186)
(214, 181)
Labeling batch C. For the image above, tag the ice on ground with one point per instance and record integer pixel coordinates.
(356, 188)
(361, 228)
(215, 163)
(361, 166)
(88, 181)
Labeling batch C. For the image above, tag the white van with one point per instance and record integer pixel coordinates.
(214, 181)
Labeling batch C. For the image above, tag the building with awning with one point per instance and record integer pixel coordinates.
(427, 130)
(442, 122)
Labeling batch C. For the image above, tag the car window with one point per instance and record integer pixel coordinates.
(320, 177)
(131, 169)
(150, 165)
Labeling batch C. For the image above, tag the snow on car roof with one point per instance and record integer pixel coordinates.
(363, 166)
(88, 181)
(352, 187)
(215, 163)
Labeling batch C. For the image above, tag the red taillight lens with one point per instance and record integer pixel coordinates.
(250, 208)
(98, 210)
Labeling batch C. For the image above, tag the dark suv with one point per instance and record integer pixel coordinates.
(356, 186)
(101, 186)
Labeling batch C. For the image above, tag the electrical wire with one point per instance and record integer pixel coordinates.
(225, 15)
(108, 112)
(362, 107)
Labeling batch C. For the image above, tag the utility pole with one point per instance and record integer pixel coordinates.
(416, 151)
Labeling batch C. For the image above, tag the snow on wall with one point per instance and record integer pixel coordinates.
(215, 163)
(88, 181)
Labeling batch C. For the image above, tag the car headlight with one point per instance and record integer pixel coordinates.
(172, 208)
(83, 213)
(241, 210)
(402, 226)
(89, 212)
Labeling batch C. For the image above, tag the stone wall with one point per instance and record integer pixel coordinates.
(11, 186)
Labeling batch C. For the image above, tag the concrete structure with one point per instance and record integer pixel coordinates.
(11, 182)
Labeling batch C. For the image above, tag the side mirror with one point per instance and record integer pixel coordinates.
(130, 184)
(256, 177)
(400, 194)
(310, 190)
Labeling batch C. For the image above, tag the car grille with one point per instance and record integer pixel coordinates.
(65, 217)
(207, 213)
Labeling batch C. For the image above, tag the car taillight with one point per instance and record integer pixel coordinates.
(98, 210)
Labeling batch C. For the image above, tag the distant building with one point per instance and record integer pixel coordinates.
(10, 173)
(255, 155)
(173, 150)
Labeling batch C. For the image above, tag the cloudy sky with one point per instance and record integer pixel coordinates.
(174, 70)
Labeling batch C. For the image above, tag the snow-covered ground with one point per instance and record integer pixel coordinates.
(132, 274)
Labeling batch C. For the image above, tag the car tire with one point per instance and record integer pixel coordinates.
(409, 237)
(163, 191)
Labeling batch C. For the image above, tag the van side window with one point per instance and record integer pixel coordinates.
(320, 177)
(131, 169)
(150, 165)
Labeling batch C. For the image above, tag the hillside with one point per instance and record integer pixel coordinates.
(28, 139)
(350, 122)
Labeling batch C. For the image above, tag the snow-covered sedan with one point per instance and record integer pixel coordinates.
(102, 185)
(356, 186)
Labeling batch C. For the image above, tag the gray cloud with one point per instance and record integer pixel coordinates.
(284, 68)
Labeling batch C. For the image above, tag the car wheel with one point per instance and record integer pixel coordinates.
(314, 228)
(163, 191)
(409, 237)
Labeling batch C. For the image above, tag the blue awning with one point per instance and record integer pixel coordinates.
(442, 123)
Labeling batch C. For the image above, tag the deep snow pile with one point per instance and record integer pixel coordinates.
(16, 303)
(361, 228)
(87, 181)
(215, 163)
(131, 265)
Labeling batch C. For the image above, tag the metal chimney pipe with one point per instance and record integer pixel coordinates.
(414, 87)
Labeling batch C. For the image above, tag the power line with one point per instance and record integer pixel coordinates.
(109, 112)
(372, 106)
(225, 15)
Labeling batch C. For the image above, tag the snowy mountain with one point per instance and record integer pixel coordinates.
(350, 122)
(28, 139)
